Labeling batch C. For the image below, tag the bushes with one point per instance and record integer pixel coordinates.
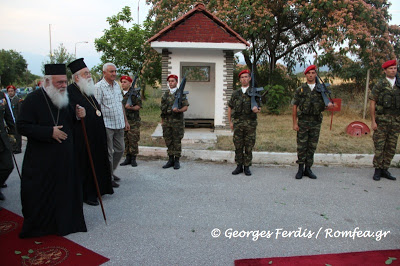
(276, 98)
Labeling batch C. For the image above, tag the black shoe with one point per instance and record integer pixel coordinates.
(92, 202)
(114, 184)
(133, 161)
(170, 162)
(127, 160)
(238, 170)
(377, 174)
(116, 178)
(386, 174)
(309, 173)
(177, 165)
(17, 152)
(3, 186)
(300, 172)
(247, 170)
(2, 196)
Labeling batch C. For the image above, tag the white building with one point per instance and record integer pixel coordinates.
(203, 47)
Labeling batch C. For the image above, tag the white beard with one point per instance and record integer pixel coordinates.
(86, 86)
(59, 99)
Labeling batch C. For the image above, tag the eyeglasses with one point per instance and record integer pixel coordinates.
(86, 74)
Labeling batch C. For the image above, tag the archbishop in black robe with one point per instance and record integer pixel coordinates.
(96, 133)
(51, 193)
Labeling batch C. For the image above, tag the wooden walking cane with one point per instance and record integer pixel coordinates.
(93, 170)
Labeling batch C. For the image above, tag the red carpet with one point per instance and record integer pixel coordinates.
(377, 257)
(47, 250)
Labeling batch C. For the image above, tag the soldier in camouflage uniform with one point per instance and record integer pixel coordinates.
(132, 136)
(15, 101)
(243, 122)
(385, 120)
(172, 122)
(307, 122)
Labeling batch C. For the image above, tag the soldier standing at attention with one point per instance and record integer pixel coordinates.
(243, 121)
(132, 136)
(307, 121)
(15, 101)
(385, 120)
(172, 122)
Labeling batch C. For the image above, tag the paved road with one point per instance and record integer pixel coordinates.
(165, 216)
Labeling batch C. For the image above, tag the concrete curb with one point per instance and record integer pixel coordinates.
(279, 158)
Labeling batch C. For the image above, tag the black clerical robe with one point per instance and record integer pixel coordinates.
(96, 133)
(51, 193)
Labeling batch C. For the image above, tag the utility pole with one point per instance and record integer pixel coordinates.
(51, 53)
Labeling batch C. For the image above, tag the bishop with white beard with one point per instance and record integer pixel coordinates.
(81, 92)
(51, 193)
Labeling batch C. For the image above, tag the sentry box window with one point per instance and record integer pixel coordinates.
(196, 73)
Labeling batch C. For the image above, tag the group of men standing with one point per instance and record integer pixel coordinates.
(70, 127)
(308, 105)
(74, 133)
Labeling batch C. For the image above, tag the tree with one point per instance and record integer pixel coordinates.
(128, 50)
(28, 79)
(12, 67)
(60, 56)
(289, 30)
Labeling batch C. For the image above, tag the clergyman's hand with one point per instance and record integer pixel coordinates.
(58, 134)
(80, 111)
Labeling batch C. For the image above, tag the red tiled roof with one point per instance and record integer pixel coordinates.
(198, 25)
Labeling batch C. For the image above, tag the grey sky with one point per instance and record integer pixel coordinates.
(24, 26)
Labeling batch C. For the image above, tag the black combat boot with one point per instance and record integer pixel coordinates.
(377, 174)
(386, 174)
(247, 170)
(300, 172)
(309, 173)
(170, 162)
(133, 161)
(177, 165)
(238, 170)
(127, 160)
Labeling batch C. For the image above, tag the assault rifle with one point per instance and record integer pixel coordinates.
(254, 92)
(132, 89)
(322, 88)
(179, 95)
(398, 77)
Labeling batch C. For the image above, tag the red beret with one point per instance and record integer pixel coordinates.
(389, 64)
(172, 76)
(312, 67)
(128, 78)
(243, 72)
(11, 86)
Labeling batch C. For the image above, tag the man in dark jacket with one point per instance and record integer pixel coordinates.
(6, 165)
(51, 191)
(81, 92)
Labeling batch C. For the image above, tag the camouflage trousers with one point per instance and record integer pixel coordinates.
(307, 141)
(173, 131)
(244, 138)
(131, 138)
(385, 141)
